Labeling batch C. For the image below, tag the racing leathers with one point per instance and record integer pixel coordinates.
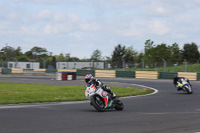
(97, 83)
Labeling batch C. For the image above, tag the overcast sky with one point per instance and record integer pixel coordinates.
(79, 27)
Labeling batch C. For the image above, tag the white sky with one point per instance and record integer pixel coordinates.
(79, 27)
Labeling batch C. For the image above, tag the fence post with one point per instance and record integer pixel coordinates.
(164, 64)
(185, 65)
(16, 63)
(123, 64)
(106, 64)
(43, 63)
(142, 64)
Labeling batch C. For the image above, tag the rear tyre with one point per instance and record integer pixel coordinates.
(98, 103)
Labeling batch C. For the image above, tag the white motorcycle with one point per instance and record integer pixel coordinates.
(185, 86)
(101, 100)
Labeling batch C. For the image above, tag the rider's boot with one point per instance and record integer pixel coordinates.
(114, 97)
(112, 94)
(110, 91)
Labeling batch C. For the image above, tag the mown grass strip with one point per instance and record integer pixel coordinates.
(14, 93)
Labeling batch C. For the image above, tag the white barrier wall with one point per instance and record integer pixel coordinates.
(79, 65)
(23, 65)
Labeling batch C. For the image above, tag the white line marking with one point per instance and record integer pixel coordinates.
(11, 106)
(155, 91)
(164, 113)
(167, 113)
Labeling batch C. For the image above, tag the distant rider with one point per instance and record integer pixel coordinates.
(178, 82)
(89, 79)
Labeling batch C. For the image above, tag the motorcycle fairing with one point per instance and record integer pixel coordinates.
(179, 84)
(90, 91)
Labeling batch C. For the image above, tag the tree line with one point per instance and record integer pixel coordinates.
(153, 53)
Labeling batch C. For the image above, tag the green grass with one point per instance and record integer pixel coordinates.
(14, 93)
(180, 68)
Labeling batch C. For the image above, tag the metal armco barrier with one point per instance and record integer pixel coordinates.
(125, 74)
(84, 72)
(66, 76)
(5, 71)
(167, 75)
(198, 76)
(70, 74)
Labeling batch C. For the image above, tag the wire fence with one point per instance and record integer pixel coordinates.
(162, 66)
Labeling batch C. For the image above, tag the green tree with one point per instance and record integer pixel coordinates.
(130, 56)
(118, 56)
(190, 52)
(53, 62)
(139, 59)
(61, 57)
(149, 51)
(96, 55)
(154, 54)
(36, 53)
(29, 54)
(161, 51)
(67, 56)
(9, 53)
(22, 58)
(175, 53)
(74, 59)
(38, 50)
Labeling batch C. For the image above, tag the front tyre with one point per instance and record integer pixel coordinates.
(188, 89)
(98, 103)
(119, 106)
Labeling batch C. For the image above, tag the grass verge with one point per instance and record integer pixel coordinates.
(14, 93)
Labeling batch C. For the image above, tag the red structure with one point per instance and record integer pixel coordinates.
(66, 76)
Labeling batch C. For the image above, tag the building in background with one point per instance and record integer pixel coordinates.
(23, 65)
(80, 65)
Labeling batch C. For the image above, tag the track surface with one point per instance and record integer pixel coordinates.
(167, 111)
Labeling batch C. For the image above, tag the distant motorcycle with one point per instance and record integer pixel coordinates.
(185, 86)
(101, 100)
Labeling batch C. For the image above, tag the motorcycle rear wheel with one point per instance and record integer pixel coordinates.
(98, 103)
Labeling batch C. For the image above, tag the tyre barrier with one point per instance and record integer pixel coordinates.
(66, 76)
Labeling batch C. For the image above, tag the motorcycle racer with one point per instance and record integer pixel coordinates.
(177, 81)
(89, 79)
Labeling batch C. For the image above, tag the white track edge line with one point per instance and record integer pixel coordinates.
(155, 91)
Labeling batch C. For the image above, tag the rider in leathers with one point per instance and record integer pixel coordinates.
(97, 83)
(179, 79)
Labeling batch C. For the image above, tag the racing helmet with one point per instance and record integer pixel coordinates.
(88, 78)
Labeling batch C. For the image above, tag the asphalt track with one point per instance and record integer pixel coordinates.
(167, 111)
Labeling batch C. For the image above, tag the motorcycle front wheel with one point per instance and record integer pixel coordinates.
(119, 106)
(188, 89)
(98, 103)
